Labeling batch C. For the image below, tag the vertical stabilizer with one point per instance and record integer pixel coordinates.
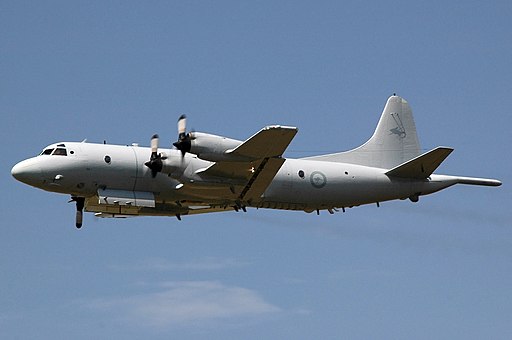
(394, 141)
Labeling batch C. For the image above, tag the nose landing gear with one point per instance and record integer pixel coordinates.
(80, 202)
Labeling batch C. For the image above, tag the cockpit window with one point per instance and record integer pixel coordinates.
(60, 152)
(47, 152)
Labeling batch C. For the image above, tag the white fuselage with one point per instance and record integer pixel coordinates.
(300, 184)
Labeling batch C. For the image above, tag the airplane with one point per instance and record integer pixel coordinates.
(206, 173)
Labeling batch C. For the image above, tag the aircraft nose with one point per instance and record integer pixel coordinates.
(26, 171)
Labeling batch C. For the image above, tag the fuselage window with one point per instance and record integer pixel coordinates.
(60, 152)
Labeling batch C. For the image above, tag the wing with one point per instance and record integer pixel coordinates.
(264, 153)
(271, 141)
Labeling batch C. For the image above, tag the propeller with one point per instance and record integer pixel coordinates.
(184, 143)
(155, 161)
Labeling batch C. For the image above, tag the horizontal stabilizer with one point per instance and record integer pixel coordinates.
(422, 166)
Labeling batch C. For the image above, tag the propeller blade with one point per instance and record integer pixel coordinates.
(182, 125)
(155, 161)
(154, 144)
(183, 144)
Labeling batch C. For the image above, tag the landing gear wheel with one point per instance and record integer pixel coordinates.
(79, 219)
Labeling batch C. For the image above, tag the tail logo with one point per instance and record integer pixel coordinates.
(399, 130)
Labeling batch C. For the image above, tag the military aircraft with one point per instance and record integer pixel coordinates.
(209, 173)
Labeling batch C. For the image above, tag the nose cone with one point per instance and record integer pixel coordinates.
(27, 171)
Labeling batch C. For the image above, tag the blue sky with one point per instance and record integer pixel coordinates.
(121, 71)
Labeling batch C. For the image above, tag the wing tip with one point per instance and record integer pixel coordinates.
(280, 127)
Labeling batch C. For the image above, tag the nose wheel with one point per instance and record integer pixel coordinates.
(80, 202)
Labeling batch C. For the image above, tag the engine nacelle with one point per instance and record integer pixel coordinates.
(213, 148)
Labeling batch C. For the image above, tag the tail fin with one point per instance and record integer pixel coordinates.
(394, 141)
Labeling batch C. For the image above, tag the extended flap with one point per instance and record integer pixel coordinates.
(254, 176)
(261, 179)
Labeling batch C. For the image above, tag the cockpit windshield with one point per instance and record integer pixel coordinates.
(60, 150)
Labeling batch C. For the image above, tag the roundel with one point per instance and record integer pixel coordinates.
(318, 179)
